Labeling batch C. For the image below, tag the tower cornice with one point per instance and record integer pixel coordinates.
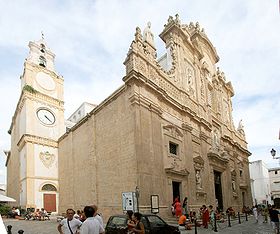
(28, 138)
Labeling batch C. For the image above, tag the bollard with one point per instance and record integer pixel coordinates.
(20, 232)
(239, 221)
(215, 223)
(195, 227)
(229, 220)
(246, 216)
(9, 229)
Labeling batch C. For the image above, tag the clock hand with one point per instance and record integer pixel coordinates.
(47, 118)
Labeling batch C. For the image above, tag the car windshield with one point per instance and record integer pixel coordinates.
(156, 221)
(118, 221)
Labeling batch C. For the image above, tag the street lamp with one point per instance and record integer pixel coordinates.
(273, 153)
(137, 193)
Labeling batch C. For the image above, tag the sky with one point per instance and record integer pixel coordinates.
(91, 40)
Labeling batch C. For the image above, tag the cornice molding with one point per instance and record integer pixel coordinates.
(27, 138)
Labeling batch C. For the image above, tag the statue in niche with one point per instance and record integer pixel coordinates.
(198, 179)
(190, 81)
(233, 185)
(216, 139)
(202, 87)
(148, 35)
(226, 113)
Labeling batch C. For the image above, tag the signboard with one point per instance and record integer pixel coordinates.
(129, 201)
(154, 204)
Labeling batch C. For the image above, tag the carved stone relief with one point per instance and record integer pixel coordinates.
(47, 159)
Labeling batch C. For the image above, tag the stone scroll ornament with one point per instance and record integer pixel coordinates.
(47, 159)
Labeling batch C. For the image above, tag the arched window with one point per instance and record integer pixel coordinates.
(49, 187)
(42, 61)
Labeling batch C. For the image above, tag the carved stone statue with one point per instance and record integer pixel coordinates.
(198, 179)
(240, 125)
(233, 185)
(148, 35)
(216, 139)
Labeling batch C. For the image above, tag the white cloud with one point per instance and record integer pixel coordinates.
(91, 39)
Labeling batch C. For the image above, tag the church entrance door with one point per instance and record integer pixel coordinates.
(218, 189)
(50, 202)
(176, 186)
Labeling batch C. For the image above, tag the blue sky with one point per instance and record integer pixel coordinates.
(91, 40)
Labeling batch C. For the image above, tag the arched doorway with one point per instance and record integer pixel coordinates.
(49, 197)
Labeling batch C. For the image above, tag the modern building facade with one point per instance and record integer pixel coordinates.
(168, 130)
(274, 178)
(260, 182)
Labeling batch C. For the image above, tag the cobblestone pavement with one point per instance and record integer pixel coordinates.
(32, 226)
(49, 227)
(246, 227)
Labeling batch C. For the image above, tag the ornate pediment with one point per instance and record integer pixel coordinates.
(173, 171)
(218, 159)
(173, 131)
(198, 162)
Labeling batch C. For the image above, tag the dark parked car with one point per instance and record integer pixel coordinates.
(117, 224)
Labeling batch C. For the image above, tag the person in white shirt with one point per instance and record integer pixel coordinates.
(97, 216)
(69, 225)
(91, 225)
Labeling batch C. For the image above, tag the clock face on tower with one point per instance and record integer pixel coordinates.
(46, 116)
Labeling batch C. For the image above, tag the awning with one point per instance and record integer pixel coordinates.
(4, 198)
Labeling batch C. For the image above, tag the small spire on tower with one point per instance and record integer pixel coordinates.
(42, 34)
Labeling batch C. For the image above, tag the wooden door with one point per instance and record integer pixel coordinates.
(50, 202)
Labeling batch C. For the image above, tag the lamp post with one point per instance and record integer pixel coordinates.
(273, 154)
(137, 193)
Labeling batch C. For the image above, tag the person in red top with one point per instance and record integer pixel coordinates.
(205, 216)
(177, 207)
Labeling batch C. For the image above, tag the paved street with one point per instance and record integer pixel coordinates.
(49, 227)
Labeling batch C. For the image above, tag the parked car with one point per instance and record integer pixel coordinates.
(153, 224)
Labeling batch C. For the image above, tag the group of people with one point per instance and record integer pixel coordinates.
(86, 222)
(38, 214)
(266, 211)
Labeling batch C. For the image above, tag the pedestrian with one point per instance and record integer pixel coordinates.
(97, 215)
(265, 214)
(139, 226)
(185, 206)
(91, 225)
(255, 212)
(69, 225)
(177, 207)
(130, 222)
(205, 216)
(274, 219)
(212, 216)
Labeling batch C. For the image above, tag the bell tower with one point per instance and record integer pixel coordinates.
(37, 124)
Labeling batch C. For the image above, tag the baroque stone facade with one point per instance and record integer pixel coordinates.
(168, 130)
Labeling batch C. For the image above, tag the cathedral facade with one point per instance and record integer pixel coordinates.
(168, 131)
